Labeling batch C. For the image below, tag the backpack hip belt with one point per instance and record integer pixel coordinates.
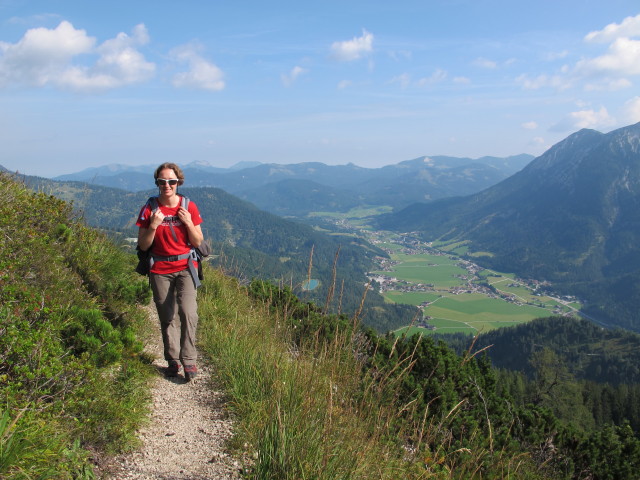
(192, 256)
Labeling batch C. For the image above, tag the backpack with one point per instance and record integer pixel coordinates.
(146, 259)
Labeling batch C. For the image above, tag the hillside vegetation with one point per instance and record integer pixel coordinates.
(72, 378)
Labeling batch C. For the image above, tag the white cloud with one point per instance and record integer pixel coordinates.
(585, 119)
(201, 75)
(530, 125)
(551, 56)
(292, 76)
(438, 76)
(344, 84)
(404, 80)
(120, 60)
(461, 80)
(631, 110)
(558, 82)
(630, 27)
(485, 63)
(609, 71)
(608, 84)
(45, 57)
(353, 49)
(622, 59)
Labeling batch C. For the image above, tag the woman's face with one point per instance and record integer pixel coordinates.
(165, 178)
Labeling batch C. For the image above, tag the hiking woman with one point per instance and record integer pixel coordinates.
(170, 231)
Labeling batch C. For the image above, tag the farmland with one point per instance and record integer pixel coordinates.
(455, 294)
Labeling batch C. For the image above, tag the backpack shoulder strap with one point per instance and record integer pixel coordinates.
(153, 203)
(184, 202)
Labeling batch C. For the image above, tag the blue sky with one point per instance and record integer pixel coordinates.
(374, 83)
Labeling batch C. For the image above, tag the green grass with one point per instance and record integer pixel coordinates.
(476, 312)
(72, 376)
(439, 270)
(298, 412)
(411, 298)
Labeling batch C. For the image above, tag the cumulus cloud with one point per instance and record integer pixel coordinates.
(609, 71)
(630, 27)
(622, 59)
(530, 125)
(46, 57)
(353, 49)
(201, 74)
(585, 119)
(293, 75)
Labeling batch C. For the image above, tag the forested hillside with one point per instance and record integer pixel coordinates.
(589, 351)
(581, 371)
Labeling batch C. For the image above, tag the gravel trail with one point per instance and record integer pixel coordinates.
(188, 428)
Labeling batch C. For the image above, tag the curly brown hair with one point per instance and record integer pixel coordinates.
(171, 166)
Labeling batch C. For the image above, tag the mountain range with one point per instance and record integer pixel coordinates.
(317, 186)
(572, 216)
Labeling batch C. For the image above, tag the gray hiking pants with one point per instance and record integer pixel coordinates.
(175, 297)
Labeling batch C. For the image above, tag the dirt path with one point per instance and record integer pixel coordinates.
(188, 428)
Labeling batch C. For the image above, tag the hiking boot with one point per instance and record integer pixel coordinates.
(173, 369)
(190, 372)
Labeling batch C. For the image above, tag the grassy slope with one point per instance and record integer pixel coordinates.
(71, 375)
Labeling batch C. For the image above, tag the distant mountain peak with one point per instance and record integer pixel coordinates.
(245, 164)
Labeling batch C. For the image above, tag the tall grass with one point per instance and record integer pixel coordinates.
(301, 409)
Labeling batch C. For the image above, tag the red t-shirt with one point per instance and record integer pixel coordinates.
(164, 244)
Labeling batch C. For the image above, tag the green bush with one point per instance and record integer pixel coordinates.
(71, 371)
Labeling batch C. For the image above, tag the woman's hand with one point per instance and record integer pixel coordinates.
(156, 219)
(185, 217)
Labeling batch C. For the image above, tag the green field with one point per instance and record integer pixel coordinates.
(411, 298)
(438, 270)
(449, 311)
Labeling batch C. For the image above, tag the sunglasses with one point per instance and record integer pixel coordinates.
(161, 182)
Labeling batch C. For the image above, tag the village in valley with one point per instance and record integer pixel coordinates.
(472, 279)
